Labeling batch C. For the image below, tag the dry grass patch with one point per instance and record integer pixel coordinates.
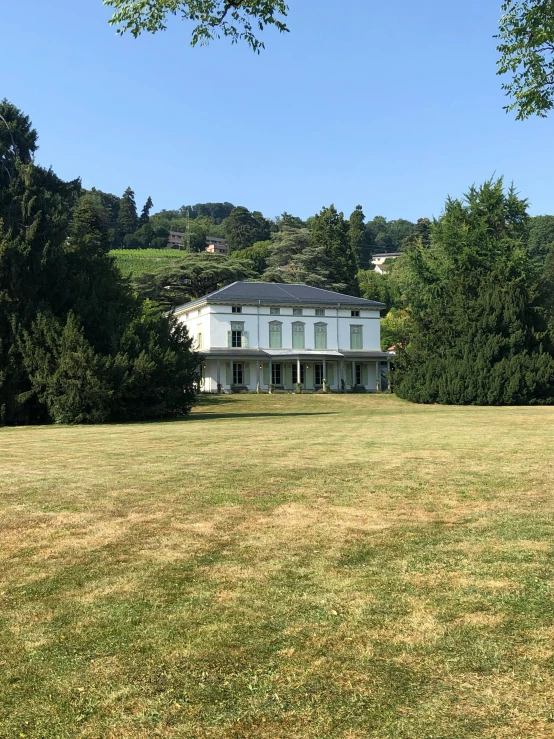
(286, 566)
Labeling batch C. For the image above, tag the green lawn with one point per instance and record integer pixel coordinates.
(281, 566)
(136, 262)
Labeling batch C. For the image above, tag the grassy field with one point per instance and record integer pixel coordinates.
(281, 566)
(136, 262)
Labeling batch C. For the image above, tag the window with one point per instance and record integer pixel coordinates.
(355, 313)
(200, 344)
(238, 373)
(297, 312)
(320, 311)
(358, 374)
(320, 336)
(275, 335)
(356, 337)
(295, 373)
(237, 309)
(275, 311)
(276, 374)
(318, 368)
(298, 336)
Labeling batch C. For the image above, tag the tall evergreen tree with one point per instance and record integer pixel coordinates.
(358, 238)
(330, 231)
(76, 345)
(145, 214)
(127, 218)
(477, 331)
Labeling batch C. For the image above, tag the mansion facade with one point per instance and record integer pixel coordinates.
(258, 334)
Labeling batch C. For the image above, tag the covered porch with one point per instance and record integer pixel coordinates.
(287, 370)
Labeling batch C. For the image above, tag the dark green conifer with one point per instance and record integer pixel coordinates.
(477, 332)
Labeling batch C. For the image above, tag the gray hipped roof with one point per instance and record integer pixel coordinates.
(282, 294)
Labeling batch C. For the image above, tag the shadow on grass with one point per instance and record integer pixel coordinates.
(207, 416)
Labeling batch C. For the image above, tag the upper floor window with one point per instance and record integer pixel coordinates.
(356, 337)
(298, 335)
(200, 340)
(355, 313)
(237, 337)
(237, 309)
(320, 311)
(297, 312)
(275, 335)
(320, 336)
(275, 311)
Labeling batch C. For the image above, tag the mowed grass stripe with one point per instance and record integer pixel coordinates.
(280, 566)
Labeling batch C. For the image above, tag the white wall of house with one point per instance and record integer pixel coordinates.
(214, 322)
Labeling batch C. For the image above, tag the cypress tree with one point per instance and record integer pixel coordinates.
(358, 238)
(145, 214)
(477, 329)
(127, 218)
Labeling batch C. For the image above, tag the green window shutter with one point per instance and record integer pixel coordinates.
(365, 375)
(229, 339)
(266, 374)
(247, 373)
(298, 336)
(349, 374)
(330, 374)
(245, 343)
(288, 375)
(321, 337)
(228, 373)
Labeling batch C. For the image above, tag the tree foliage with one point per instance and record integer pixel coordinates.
(239, 20)
(192, 276)
(527, 55)
(76, 345)
(477, 329)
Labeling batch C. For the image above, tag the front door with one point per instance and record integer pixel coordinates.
(318, 370)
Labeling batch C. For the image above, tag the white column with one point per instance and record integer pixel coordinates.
(218, 374)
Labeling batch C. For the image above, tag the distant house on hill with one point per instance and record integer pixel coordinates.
(259, 333)
(175, 240)
(381, 263)
(215, 245)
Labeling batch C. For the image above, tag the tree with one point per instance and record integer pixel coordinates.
(239, 20)
(527, 54)
(76, 344)
(191, 277)
(358, 238)
(245, 228)
(287, 246)
(145, 214)
(477, 332)
(127, 218)
(258, 254)
(331, 232)
(541, 238)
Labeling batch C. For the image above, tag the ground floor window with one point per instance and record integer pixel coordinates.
(276, 377)
(295, 374)
(358, 374)
(238, 373)
(318, 368)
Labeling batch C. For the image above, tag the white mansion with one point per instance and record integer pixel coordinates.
(254, 334)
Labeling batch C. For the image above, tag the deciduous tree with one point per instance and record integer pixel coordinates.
(239, 20)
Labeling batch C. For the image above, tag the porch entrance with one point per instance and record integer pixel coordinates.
(295, 374)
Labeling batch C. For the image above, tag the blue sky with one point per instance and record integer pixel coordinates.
(390, 105)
